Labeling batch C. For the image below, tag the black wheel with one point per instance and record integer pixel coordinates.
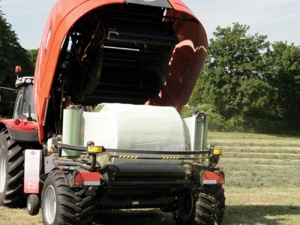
(207, 210)
(186, 213)
(62, 205)
(210, 206)
(33, 205)
(11, 172)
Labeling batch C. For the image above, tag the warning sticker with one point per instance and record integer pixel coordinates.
(32, 171)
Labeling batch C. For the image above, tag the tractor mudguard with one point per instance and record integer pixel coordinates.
(21, 131)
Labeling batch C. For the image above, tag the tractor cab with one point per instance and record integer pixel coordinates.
(24, 104)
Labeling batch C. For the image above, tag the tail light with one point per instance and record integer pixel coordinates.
(212, 178)
(86, 178)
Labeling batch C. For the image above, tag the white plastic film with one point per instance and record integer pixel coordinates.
(70, 134)
(125, 126)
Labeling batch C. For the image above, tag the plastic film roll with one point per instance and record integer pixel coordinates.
(71, 126)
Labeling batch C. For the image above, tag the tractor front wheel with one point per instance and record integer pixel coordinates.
(11, 172)
(63, 205)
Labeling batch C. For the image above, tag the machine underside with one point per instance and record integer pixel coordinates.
(116, 53)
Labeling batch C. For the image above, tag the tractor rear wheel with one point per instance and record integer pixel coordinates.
(11, 172)
(210, 206)
(63, 205)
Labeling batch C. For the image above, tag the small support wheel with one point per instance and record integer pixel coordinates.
(33, 205)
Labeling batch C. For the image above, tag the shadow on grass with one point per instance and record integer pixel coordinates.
(262, 215)
(234, 215)
(134, 217)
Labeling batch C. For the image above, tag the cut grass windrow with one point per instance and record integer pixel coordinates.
(255, 160)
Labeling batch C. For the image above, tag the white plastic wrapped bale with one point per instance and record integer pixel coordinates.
(125, 126)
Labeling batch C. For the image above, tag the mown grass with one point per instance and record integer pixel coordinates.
(255, 160)
(257, 206)
(262, 185)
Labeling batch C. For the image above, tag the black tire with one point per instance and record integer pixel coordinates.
(11, 172)
(186, 214)
(210, 206)
(33, 205)
(208, 210)
(62, 205)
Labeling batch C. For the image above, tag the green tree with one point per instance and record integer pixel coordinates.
(11, 55)
(233, 75)
(283, 63)
(248, 84)
(32, 54)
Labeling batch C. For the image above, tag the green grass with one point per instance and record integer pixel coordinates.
(257, 206)
(258, 160)
(262, 185)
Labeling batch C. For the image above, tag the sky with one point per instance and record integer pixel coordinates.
(278, 19)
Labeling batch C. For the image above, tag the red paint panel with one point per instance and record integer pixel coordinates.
(61, 18)
(24, 125)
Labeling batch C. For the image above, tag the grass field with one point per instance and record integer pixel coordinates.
(262, 185)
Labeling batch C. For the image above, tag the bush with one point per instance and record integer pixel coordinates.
(240, 123)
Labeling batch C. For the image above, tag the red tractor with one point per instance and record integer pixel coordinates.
(98, 126)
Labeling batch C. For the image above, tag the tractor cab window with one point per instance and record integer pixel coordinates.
(23, 101)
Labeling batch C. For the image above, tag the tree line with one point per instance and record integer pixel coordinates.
(249, 84)
(11, 55)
